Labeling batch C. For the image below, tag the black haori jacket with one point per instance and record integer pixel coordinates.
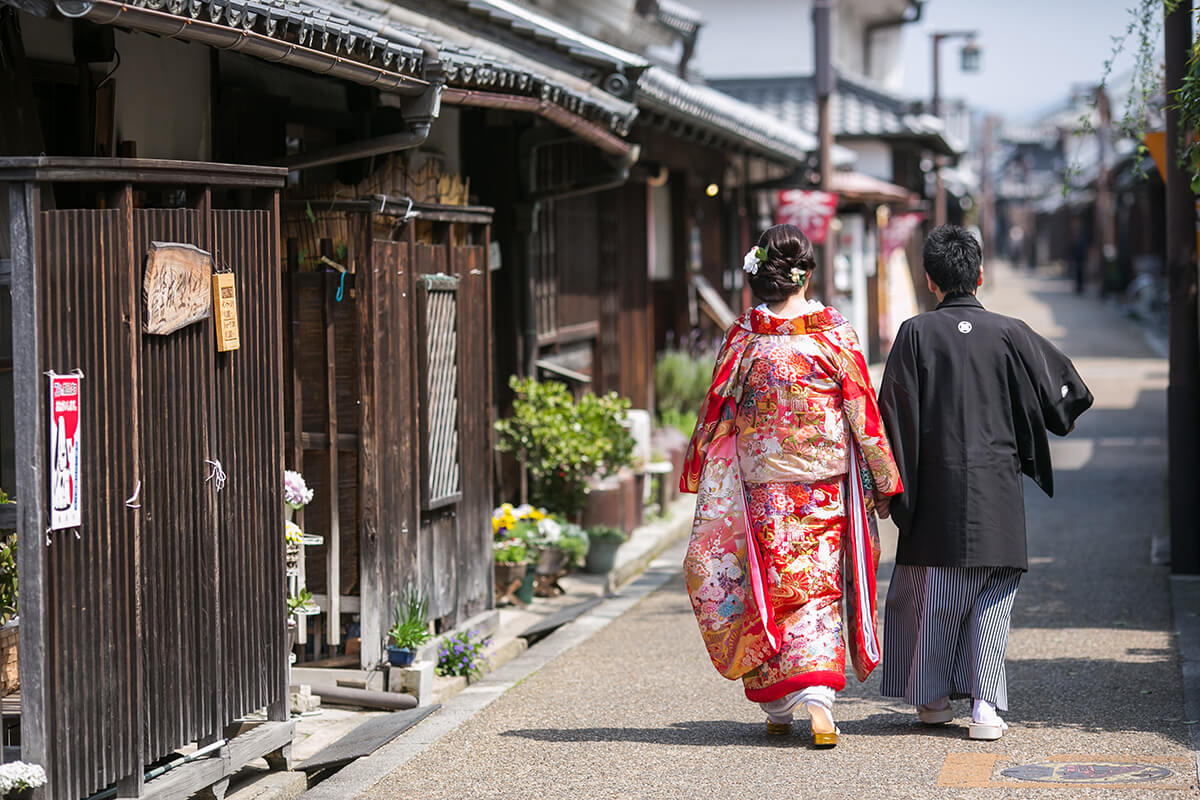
(967, 398)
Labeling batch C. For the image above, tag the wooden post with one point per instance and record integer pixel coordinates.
(279, 709)
(134, 785)
(333, 545)
(1183, 392)
(292, 332)
(371, 554)
(30, 448)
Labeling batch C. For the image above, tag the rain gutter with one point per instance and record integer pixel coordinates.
(588, 131)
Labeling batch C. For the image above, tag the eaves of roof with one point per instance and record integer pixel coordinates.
(661, 92)
(372, 42)
(546, 31)
(857, 111)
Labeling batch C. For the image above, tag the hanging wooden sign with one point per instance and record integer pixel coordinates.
(176, 286)
(64, 452)
(225, 302)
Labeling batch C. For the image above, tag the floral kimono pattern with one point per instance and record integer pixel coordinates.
(783, 549)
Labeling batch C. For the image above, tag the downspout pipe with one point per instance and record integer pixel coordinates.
(891, 22)
(419, 113)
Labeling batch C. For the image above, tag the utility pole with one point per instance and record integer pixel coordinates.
(1183, 391)
(823, 80)
(1106, 223)
(988, 212)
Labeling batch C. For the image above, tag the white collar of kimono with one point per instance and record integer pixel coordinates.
(810, 307)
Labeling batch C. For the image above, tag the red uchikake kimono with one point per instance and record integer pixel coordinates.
(783, 546)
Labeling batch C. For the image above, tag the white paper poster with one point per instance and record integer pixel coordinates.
(65, 488)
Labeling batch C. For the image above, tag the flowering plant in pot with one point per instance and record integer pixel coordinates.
(411, 628)
(18, 779)
(461, 654)
(296, 494)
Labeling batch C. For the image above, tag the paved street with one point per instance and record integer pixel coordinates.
(637, 711)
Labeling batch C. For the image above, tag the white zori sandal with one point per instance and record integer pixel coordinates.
(985, 722)
(817, 701)
(936, 713)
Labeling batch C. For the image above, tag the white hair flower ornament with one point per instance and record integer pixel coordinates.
(754, 257)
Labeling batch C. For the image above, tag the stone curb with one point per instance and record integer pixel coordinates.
(1185, 622)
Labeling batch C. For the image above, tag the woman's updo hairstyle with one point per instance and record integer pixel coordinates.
(787, 249)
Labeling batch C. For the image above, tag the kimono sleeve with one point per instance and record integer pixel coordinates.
(862, 414)
(1062, 395)
(900, 407)
(715, 416)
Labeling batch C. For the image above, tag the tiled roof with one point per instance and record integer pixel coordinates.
(660, 91)
(657, 90)
(368, 41)
(856, 110)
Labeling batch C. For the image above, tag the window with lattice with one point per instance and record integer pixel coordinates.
(438, 312)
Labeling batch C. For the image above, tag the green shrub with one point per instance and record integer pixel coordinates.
(681, 382)
(411, 628)
(563, 443)
(606, 533)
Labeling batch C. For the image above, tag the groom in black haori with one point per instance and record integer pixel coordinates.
(967, 398)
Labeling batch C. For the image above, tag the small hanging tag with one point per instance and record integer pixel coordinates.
(225, 305)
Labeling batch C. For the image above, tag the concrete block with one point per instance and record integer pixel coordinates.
(416, 680)
(302, 700)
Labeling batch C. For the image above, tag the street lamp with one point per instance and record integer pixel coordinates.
(970, 58)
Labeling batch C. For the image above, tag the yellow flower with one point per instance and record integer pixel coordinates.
(537, 515)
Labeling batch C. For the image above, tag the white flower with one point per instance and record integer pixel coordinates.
(750, 262)
(19, 775)
(550, 530)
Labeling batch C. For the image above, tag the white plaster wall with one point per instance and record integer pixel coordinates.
(163, 97)
(874, 158)
(755, 38)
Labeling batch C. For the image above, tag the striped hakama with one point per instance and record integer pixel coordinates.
(945, 632)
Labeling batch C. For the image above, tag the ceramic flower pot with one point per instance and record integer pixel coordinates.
(551, 561)
(400, 656)
(525, 593)
(508, 574)
(602, 556)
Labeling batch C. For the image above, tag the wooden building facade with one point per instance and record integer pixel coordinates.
(158, 619)
(388, 409)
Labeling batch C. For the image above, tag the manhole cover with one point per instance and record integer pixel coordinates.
(1086, 772)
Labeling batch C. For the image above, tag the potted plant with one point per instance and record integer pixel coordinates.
(511, 558)
(296, 494)
(604, 541)
(18, 779)
(563, 443)
(411, 629)
(294, 537)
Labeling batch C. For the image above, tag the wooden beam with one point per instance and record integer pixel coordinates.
(296, 411)
(370, 554)
(28, 366)
(333, 550)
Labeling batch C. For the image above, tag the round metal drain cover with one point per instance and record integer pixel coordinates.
(1087, 772)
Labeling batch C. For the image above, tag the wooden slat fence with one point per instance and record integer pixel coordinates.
(161, 619)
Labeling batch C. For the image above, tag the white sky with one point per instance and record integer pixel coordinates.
(1033, 50)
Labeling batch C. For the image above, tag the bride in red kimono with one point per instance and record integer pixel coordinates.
(787, 458)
